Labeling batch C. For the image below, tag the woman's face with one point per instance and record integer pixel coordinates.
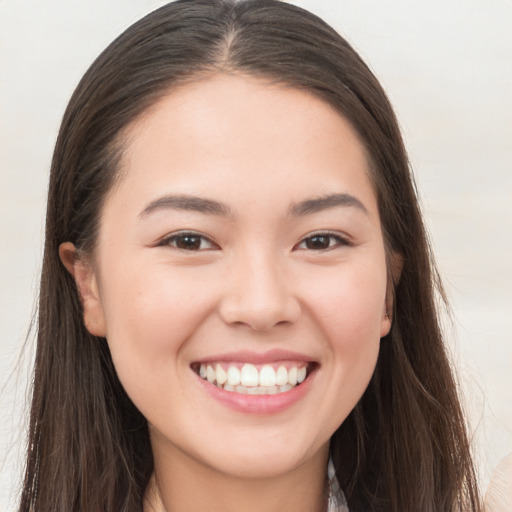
(241, 252)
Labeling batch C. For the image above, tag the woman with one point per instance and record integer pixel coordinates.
(237, 286)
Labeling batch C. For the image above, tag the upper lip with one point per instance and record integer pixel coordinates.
(246, 356)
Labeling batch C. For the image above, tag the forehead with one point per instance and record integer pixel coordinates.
(230, 132)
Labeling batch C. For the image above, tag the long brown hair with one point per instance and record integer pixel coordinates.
(404, 447)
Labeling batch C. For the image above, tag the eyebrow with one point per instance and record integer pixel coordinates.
(211, 207)
(318, 204)
(189, 203)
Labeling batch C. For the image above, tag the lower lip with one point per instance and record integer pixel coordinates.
(257, 404)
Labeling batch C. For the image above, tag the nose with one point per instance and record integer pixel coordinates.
(259, 295)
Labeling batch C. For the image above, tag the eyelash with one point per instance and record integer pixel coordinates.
(333, 239)
(174, 239)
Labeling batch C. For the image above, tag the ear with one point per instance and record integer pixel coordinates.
(87, 284)
(395, 266)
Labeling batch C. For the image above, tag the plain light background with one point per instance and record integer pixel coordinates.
(447, 67)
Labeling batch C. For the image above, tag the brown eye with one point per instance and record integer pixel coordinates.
(189, 242)
(318, 242)
(321, 242)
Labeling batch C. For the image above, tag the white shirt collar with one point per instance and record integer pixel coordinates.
(336, 500)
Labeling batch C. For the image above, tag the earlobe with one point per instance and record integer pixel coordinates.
(385, 324)
(87, 284)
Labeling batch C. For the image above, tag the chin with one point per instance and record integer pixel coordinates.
(264, 458)
(259, 466)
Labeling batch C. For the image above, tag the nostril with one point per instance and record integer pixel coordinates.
(260, 322)
(257, 314)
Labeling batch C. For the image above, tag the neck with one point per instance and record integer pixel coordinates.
(184, 484)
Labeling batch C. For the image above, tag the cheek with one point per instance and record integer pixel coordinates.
(349, 304)
(149, 319)
(155, 304)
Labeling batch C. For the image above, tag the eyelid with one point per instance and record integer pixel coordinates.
(343, 240)
(172, 237)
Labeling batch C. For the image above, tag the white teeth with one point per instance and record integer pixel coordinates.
(281, 376)
(233, 376)
(292, 376)
(210, 374)
(248, 380)
(273, 390)
(267, 376)
(222, 376)
(258, 390)
(249, 375)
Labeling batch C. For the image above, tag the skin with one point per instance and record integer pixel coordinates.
(258, 282)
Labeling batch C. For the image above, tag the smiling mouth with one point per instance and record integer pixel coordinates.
(251, 379)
